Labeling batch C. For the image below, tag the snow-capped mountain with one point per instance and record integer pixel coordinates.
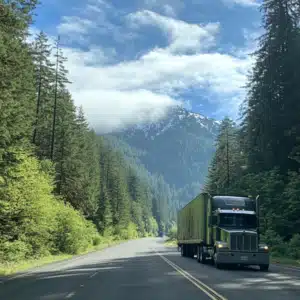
(177, 117)
(179, 147)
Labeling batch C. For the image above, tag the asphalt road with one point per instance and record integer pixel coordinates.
(145, 269)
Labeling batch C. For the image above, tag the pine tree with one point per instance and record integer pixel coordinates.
(16, 77)
(104, 218)
(273, 90)
(82, 170)
(45, 77)
(227, 161)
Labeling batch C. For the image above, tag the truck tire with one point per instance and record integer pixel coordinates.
(215, 262)
(219, 266)
(198, 254)
(182, 252)
(201, 258)
(190, 252)
(264, 268)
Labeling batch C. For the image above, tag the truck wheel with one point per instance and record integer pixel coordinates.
(217, 265)
(200, 255)
(264, 268)
(190, 252)
(182, 251)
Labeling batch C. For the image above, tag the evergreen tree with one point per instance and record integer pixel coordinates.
(17, 99)
(227, 161)
(45, 77)
(274, 89)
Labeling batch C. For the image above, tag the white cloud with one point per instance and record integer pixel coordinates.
(182, 36)
(123, 94)
(253, 3)
(169, 10)
(126, 93)
(71, 25)
(93, 20)
(110, 109)
(167, 7)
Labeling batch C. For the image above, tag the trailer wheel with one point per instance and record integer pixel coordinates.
(182, 250)
(189, 250)
(200, 255)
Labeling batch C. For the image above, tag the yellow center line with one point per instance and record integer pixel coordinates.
(212, 294)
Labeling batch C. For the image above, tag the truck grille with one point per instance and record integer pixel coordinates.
(243, 242)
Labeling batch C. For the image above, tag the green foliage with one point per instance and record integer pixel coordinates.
(153, 226)
(179, 147)
(267, 143)
(57, 202)
(33, 221)
(74, 234)
(172, 232)
(130, 232)
(294, 246)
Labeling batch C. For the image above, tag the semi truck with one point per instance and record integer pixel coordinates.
(222, 230)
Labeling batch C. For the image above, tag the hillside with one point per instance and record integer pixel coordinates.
(178, 147)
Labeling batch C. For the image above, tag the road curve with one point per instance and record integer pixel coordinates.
(146, 269)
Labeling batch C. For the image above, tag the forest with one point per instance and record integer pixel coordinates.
(261, 154)
(63, 189)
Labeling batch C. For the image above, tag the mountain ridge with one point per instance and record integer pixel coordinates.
(179, 147)
(175, 115)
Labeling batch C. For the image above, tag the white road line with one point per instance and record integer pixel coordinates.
(212, 294)
(94, 274)
(70, 295)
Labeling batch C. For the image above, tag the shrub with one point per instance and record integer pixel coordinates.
(294, 247)
(172, 234)
(275, 242)
(74, 234)
(35, 222)
(14, 251)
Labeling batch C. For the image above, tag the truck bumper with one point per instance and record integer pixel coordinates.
(243, 258)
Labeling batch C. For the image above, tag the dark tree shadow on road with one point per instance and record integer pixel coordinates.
(145, 277)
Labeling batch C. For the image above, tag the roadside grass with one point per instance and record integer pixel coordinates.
(274, 259)
(171, 242)
(285, 261)
(7, 269)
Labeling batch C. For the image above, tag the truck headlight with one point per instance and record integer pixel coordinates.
(263, 247)
(222, 245)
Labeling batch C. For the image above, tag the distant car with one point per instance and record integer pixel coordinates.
(161, 234)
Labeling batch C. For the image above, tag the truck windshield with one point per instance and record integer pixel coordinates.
(238, 220)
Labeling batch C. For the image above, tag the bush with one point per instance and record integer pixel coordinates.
(130, 232)
(153, 226)
(172, 234)
(275, 242)
(294, 247)
(35, 222)
(74, 234)
(14, 251)
(26, 208)
(97, 240)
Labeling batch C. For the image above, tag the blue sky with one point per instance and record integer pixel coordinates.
(130, 60)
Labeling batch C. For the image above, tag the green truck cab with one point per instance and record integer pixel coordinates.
(223, 230)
